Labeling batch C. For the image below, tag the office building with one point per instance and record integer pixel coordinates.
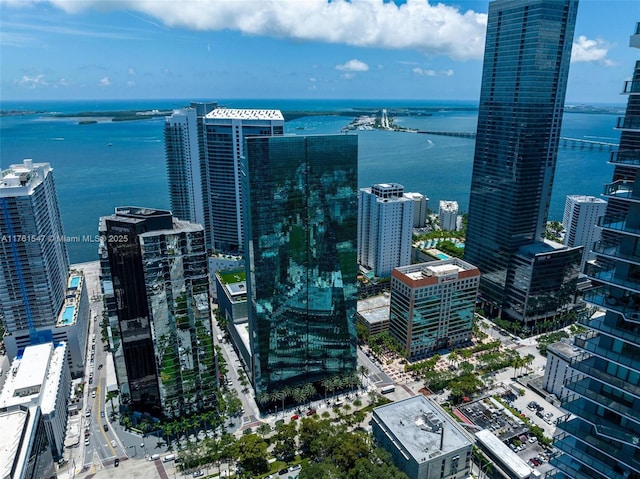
(385, 228)
(224, 132)
(161, 336)
(448, 215)
(580, 222)
(301, 253)
(432, 305)
(373, 313)
(40, 377)
(33, 253)
(420, 209)
(600, 437)
(423, 439)
(184, 154)
(526, 63)
(542, 282)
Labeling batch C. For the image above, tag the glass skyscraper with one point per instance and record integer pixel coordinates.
(600, 438)
(161, 332)
(526, 63)
(300, 203)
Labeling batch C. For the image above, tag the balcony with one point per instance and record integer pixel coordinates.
(567, 466)
(631, 87)
(603, 428)
(620, 189)
(586, 388)
(612, 249)
(591, 367)
(576, 450)
(628, 123)
(599, 325)
(605, 272)
(590, 343)
(618, 222)
(625, 157)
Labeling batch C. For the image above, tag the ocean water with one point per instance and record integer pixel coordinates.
(107, 164)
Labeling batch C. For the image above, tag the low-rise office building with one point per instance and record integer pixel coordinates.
(373, 313)
(423, 440)
(558, 369)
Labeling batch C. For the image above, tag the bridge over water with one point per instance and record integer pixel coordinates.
(564, 141)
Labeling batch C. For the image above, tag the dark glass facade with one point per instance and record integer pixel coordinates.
(300, 200)
(600, 438)
(526, 63)
(161, 333)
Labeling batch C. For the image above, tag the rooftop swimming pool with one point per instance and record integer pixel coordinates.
(442, 256)
(67, 315)
(74, 282)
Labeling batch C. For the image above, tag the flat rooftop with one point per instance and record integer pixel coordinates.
(422, 428)
(375, 309)
(13, 424)
(563, 349)
(244, 114)
(509, 458)
(20, 180)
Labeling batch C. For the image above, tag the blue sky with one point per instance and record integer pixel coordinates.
(222, 49)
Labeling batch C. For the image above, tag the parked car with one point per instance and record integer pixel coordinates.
(311, 412)
(294, 417)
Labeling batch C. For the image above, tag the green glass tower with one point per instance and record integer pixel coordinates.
(300, 204)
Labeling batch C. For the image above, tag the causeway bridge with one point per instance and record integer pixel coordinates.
(564, 141)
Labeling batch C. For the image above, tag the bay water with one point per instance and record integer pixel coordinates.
(102, 165)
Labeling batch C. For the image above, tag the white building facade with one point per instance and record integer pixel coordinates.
(448, 215)
(420, 208)
(224, 132)
(580, 221)
(385, 228)
(422, 438)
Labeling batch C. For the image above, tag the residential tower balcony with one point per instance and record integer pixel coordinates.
(615, 249)
(631, 123)
(592, 390)
(605, 272)
(631, 87)
(625, 157)
(621, 189)
(592, 366)
(618, 222)
(604, 296)
(589, 342)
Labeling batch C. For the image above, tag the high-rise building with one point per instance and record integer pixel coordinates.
(420, 209)
(33, 254)
(600, 437)
(526, 63)
(300, 196)
(385, 228)
(224, 132)
(580, 222)
(184, 153)
(432, 305)
(448, 215)
(161, 333)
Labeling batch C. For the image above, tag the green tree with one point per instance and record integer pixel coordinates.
(285, 441)
(320, 470)
(251, 452)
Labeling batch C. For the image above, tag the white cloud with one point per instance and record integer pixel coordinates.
(132, 71)
(433, 73)
(35, 81)
(353, 66)
(416, 24)
(587, 50)
(105, 82)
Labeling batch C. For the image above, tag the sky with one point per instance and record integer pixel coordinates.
(307, 49)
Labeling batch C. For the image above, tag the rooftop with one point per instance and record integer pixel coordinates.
(13, 423)
(244, 114)
(20, 180)
(444, 269)
(564, 350)
(421, 427)
(501, 450)
(376, 308)
(35, 374)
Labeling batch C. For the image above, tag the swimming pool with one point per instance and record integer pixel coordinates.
(68, 314)
(443, 256)
(74, 282)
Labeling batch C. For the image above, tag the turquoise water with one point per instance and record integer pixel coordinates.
(107, 164)
(443, 256)
(75, 281)
(67, 314)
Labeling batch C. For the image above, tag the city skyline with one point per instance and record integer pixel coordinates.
(135, 49)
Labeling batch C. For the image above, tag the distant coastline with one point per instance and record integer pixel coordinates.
(289, 115)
